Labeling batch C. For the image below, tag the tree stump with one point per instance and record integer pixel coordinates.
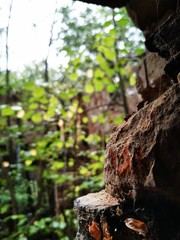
(101, 216)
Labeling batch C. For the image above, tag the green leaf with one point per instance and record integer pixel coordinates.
(22, 238)
(38, 92)
(132, 80)
(71, 162)
(98, 84)
(85, 120)
(83, 171)
(113, 32)
(111, 88)
(139, 51)
(89, 88)
(98, 73)
(29, 85)
(86, 98)
(108, 41)
(33, 106)
(36, 118)
(4, 208)
(57, 165)
(123, 22)
(109, 54)
(77, 61)
(101, 118)
(55, 224)
(73, 76)
(119, 119)
(7, 111)
(107, 24)
(80, 110)
(53, 100)
(49, 115)
(103, 64)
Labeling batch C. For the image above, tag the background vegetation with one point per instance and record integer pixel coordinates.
(55, 123)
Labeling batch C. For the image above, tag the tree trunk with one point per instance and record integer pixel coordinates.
(142, 164)
(141, 172)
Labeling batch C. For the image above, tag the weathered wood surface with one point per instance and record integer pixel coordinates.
(92, 209)
(146, 15)
(142, 161)
(151, 80)
(166, 41)
(143, 153)
(101, 217)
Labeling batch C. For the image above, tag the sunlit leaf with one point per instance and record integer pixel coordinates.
(80, 110)
(20, 113)
(89, 73)
(89, 88)
(83, 171)
(102, 62)
(71, 162)
(53, 100)
(28, 162)
(4, 208)
(98, 73)
(48, 115)
(22, 238)
(73, 76)
(76, 61)
(29, 85)
(33, 152)
(139, 51)
(98, 84)
(38, 92)
(113, 32)
(36, 118)
(122, 22)
(109, 53)
(110, 88)
(7, 111)
(85, 120)
(101, 118)
(108, 41)
(57, 165)
(132, 80)
(33, 106)
(119, 119)
(107, 23)
(86, 98)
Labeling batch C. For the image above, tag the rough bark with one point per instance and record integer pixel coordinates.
(146, 15)
(166, 41)
(151, 78)
(143, 154)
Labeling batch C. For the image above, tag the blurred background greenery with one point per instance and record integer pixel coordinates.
(55, 121)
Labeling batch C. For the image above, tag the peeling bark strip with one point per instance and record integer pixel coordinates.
(143, 154)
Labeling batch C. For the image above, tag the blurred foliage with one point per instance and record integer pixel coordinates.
(49, 154)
